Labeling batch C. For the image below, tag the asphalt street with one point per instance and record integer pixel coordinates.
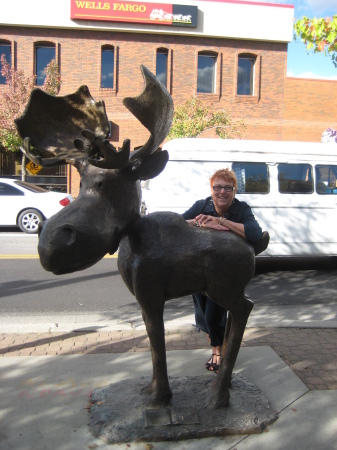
(98, 295)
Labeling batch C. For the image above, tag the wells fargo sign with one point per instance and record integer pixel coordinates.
(135, 12)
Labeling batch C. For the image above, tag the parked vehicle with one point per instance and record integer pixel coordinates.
(26, 205)
(291, 187)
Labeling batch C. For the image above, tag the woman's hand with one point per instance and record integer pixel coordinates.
(211, 222)
(218, 223)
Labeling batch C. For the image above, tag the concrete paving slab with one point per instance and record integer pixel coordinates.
(310, 423)
(44, 400)
(271, 375)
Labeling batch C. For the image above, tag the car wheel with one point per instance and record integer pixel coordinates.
(29, 221)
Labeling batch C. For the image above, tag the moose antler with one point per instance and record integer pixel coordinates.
(101, 153)
(50, 124)
(53, 127)
(153, 108)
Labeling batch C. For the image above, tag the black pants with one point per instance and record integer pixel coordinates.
(210, 318)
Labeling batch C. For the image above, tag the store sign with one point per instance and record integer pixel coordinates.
(135, 12)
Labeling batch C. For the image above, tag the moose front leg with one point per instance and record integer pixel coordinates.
(153, 316)
(236, 326)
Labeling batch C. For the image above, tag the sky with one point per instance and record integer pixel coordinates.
(300, 63)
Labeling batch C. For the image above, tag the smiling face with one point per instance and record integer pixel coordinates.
(222, 198)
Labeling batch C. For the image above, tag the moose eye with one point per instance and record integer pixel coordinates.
(100, 185)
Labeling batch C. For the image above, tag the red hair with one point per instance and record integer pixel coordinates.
(226, 175)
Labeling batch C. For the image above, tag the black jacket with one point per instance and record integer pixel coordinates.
(239, 212)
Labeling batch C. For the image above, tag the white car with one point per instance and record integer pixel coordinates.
(26, 205)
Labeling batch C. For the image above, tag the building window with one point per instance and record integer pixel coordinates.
(245, 85)
(44, 54)
(295, 178)
(161, 66)
(206, 74)
(5, 49)
(107, 67)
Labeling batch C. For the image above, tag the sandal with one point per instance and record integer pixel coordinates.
(210, 362)
(211, 365)
(216, 366)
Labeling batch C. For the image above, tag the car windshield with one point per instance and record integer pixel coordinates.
(31, 187)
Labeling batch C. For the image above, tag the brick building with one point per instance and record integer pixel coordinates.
(229, 53)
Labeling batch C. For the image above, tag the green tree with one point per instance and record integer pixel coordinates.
(14, 99)
(194, 117)
(52, 82)
(319, 35)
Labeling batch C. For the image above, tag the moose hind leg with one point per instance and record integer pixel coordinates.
(226, 336)
(159, 387)
(239, 318)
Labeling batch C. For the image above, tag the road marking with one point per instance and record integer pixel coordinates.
(19, 256)
(18, 234)
(37, 256)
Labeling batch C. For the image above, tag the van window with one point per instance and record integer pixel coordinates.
(295, 178)
(252, 177)
(326, 179)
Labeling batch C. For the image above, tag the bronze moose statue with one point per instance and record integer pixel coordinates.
(160, 256)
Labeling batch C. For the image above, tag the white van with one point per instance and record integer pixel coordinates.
(291, 187)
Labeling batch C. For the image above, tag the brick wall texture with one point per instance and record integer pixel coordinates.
(309, 108)
(281, 108)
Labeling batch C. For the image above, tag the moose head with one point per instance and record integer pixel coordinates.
(73, 129)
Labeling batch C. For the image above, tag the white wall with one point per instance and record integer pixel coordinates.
(221, 19)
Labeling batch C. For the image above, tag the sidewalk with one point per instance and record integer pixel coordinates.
(46, 380)
(46, 377)
(290, 354)
(311, 353)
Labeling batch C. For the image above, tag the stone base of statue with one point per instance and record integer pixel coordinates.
(119, 412)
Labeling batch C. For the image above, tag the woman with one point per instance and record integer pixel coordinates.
(223, 212)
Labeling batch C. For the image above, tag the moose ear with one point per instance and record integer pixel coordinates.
(152, 166)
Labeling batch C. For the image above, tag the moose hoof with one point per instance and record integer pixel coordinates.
(160, 400)
(147, 389)
(218, 402)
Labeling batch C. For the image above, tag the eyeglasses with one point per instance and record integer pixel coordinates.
(218, 188)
